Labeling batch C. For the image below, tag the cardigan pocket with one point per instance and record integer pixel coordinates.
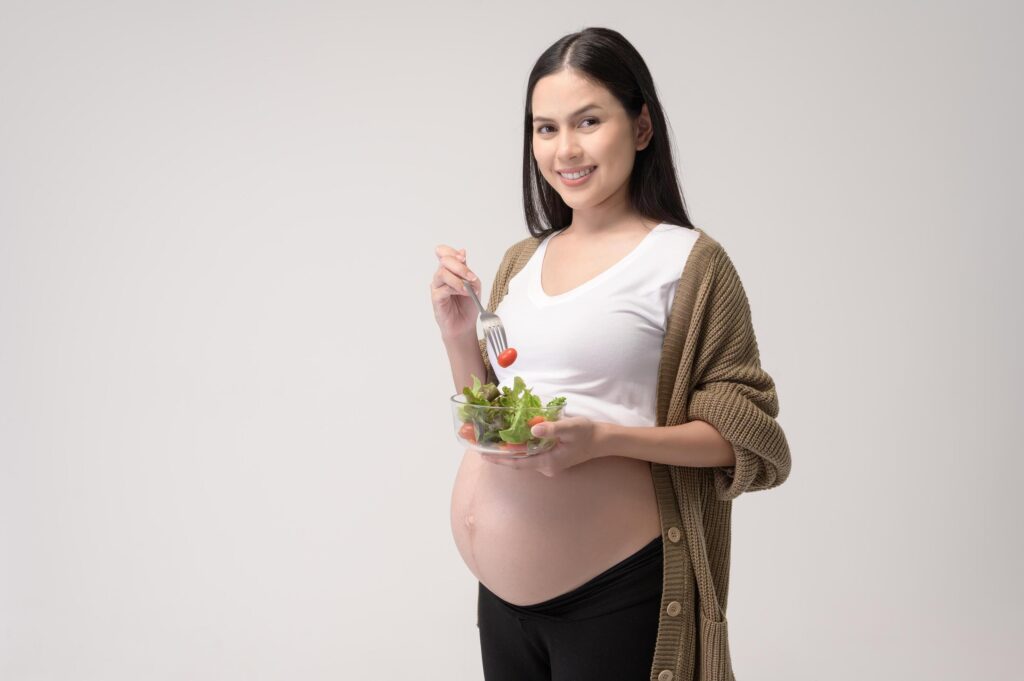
(715, 664)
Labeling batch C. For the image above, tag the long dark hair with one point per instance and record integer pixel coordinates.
(605, 57)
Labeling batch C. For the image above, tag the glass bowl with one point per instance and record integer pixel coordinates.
(473, 422)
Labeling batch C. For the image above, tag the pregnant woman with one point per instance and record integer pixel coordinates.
(607, 556)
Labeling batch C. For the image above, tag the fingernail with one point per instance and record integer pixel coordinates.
(471, 276)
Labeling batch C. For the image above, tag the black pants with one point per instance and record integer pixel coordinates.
(604, 630)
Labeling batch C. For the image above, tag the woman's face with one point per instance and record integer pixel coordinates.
(601, 138)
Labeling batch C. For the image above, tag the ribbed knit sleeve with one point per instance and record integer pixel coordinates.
(732, 392)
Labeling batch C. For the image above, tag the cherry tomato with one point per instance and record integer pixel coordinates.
(467, 431)
(535, 420)
(507, 357)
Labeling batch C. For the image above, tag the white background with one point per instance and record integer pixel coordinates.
(225, 445)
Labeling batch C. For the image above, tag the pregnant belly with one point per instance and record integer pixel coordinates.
(529, 538)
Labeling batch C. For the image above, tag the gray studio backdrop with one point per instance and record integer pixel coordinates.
(225, 444)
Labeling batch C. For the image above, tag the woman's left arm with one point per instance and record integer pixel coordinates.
(730, 424)
(732, 392)
(695, 443)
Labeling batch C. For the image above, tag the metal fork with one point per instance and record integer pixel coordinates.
(494, 331)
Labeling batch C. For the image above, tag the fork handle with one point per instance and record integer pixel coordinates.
(472, 294)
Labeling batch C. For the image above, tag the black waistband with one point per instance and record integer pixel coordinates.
(649, 557)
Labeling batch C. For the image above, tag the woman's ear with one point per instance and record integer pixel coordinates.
(643, 128)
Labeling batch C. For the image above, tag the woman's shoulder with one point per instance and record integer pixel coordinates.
(706, 247)
(702, 251)
(711, 266)
(523, 248)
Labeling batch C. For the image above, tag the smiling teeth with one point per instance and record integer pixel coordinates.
(576, 176)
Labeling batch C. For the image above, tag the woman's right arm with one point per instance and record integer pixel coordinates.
(456, 315)
(466, 360)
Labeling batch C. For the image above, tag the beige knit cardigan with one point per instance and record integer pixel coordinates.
(710, 371)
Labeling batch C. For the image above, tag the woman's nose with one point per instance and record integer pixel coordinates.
(568, 149)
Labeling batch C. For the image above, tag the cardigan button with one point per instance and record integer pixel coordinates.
(674, 534)
(674, 608)
(665, 675)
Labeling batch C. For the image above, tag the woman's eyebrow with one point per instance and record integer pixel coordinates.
(577, 112)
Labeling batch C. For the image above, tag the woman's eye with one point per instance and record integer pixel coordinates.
(542, 128)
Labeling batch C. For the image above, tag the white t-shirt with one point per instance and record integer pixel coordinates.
(599, 344)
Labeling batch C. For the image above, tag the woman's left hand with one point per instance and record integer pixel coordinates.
(577, 441)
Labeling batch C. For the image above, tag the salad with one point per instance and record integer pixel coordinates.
(509, 426)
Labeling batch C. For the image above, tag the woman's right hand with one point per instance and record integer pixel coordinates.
(454, 310)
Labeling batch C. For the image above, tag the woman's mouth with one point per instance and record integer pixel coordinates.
(577, 178)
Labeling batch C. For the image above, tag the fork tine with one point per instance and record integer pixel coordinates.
(497, 336)
(501, 332)
(490, 341)
(492, 334)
